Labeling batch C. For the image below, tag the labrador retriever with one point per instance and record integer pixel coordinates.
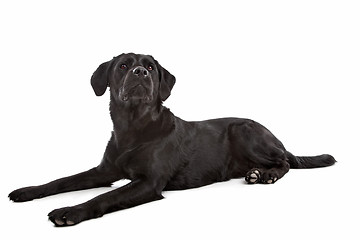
(158, 151)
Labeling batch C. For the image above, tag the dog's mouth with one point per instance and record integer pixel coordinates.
(139, 92)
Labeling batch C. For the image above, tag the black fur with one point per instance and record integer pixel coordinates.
(158, 151)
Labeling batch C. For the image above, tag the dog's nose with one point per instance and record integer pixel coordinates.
(140, 71)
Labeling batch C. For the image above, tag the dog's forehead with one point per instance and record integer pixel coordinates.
(135, 57)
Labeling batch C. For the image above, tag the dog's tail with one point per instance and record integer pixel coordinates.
(310, 162)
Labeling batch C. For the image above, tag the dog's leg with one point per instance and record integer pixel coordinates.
(85, 180)
(259, 151)
(130, 195)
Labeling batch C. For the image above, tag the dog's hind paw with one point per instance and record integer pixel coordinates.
(253, 176)
(265, 176)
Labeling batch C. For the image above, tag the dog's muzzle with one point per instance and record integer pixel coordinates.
(138, 85)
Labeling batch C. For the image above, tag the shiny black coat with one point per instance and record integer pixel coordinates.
(158, 151)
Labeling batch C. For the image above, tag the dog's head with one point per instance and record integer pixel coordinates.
(133, 78)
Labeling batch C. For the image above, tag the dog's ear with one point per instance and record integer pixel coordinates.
(99, 79)
(167, 81)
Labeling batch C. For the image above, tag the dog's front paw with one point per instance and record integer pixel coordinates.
(67, 216)
(70, 216)
(25, 194)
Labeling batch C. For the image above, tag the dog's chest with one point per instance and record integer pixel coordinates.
(158, 159)
(138, 163)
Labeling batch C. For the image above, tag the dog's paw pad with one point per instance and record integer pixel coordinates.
(59, 222)
(253, 180)
(69, 223)
(271, 180)
(253, 176)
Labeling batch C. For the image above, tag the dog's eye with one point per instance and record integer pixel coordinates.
(150, 68)
(123, 66)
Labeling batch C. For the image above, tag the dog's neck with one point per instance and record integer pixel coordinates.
(132, 120)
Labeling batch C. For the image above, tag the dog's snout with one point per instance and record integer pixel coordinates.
(140, 71)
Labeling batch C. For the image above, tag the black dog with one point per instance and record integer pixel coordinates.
(158, 151)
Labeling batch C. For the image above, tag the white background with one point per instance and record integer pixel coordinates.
(291, 65)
